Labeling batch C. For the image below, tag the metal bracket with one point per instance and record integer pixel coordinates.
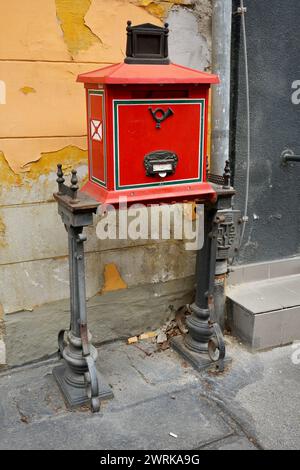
(289, 156)
(228, 234)
(216, 347)
(61, 342)
(240, 11)
(92, 385)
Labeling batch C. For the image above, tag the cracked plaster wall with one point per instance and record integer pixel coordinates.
(43, 47)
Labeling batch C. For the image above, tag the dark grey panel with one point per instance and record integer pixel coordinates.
(273, 36)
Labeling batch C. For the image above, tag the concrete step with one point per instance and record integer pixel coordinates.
(266, 313)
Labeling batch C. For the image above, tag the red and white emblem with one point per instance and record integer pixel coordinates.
(96, 130)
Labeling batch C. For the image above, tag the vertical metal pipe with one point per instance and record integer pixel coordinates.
(221, 63)
(221, 54)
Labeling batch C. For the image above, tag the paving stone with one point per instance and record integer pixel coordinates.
(253, 404)
(154, 395)
(231, 443)
(146, 425)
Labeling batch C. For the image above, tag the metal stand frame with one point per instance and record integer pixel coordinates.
(78, 379)
(203, 346)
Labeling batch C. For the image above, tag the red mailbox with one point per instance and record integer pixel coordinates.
(147, 125)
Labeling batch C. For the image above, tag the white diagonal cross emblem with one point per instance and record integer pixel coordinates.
(96, 130)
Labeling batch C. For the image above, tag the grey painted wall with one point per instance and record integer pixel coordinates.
(273, 36)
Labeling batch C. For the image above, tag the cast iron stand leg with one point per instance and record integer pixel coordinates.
(204, 342)
(198, 323)
(78, 378)
(193, 347)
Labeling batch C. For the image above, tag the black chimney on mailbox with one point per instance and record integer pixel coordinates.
(147, 44)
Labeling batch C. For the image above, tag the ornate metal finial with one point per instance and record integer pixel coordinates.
(166, 45)
(129, 42)
(74, 184)
(227, 175)
(60, 177)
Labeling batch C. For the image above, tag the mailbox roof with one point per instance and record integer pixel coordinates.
(146, 74)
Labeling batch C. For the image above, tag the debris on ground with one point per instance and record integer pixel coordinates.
(141, 337)
(180, 317)
(149, 334)
(161, 337)
(174, 327)
(133, 339)
(25, 419)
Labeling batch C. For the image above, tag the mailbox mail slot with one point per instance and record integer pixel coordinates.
(161, 162)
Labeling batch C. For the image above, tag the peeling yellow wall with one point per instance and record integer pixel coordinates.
(43, 47)
(161, 8)
(70, 156)
(7, 175)
(19, 153)
(77, 35)
(108, 21)
(30, 31)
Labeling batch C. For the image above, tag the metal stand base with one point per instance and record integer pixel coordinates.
(199, 361)
(77, 396)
